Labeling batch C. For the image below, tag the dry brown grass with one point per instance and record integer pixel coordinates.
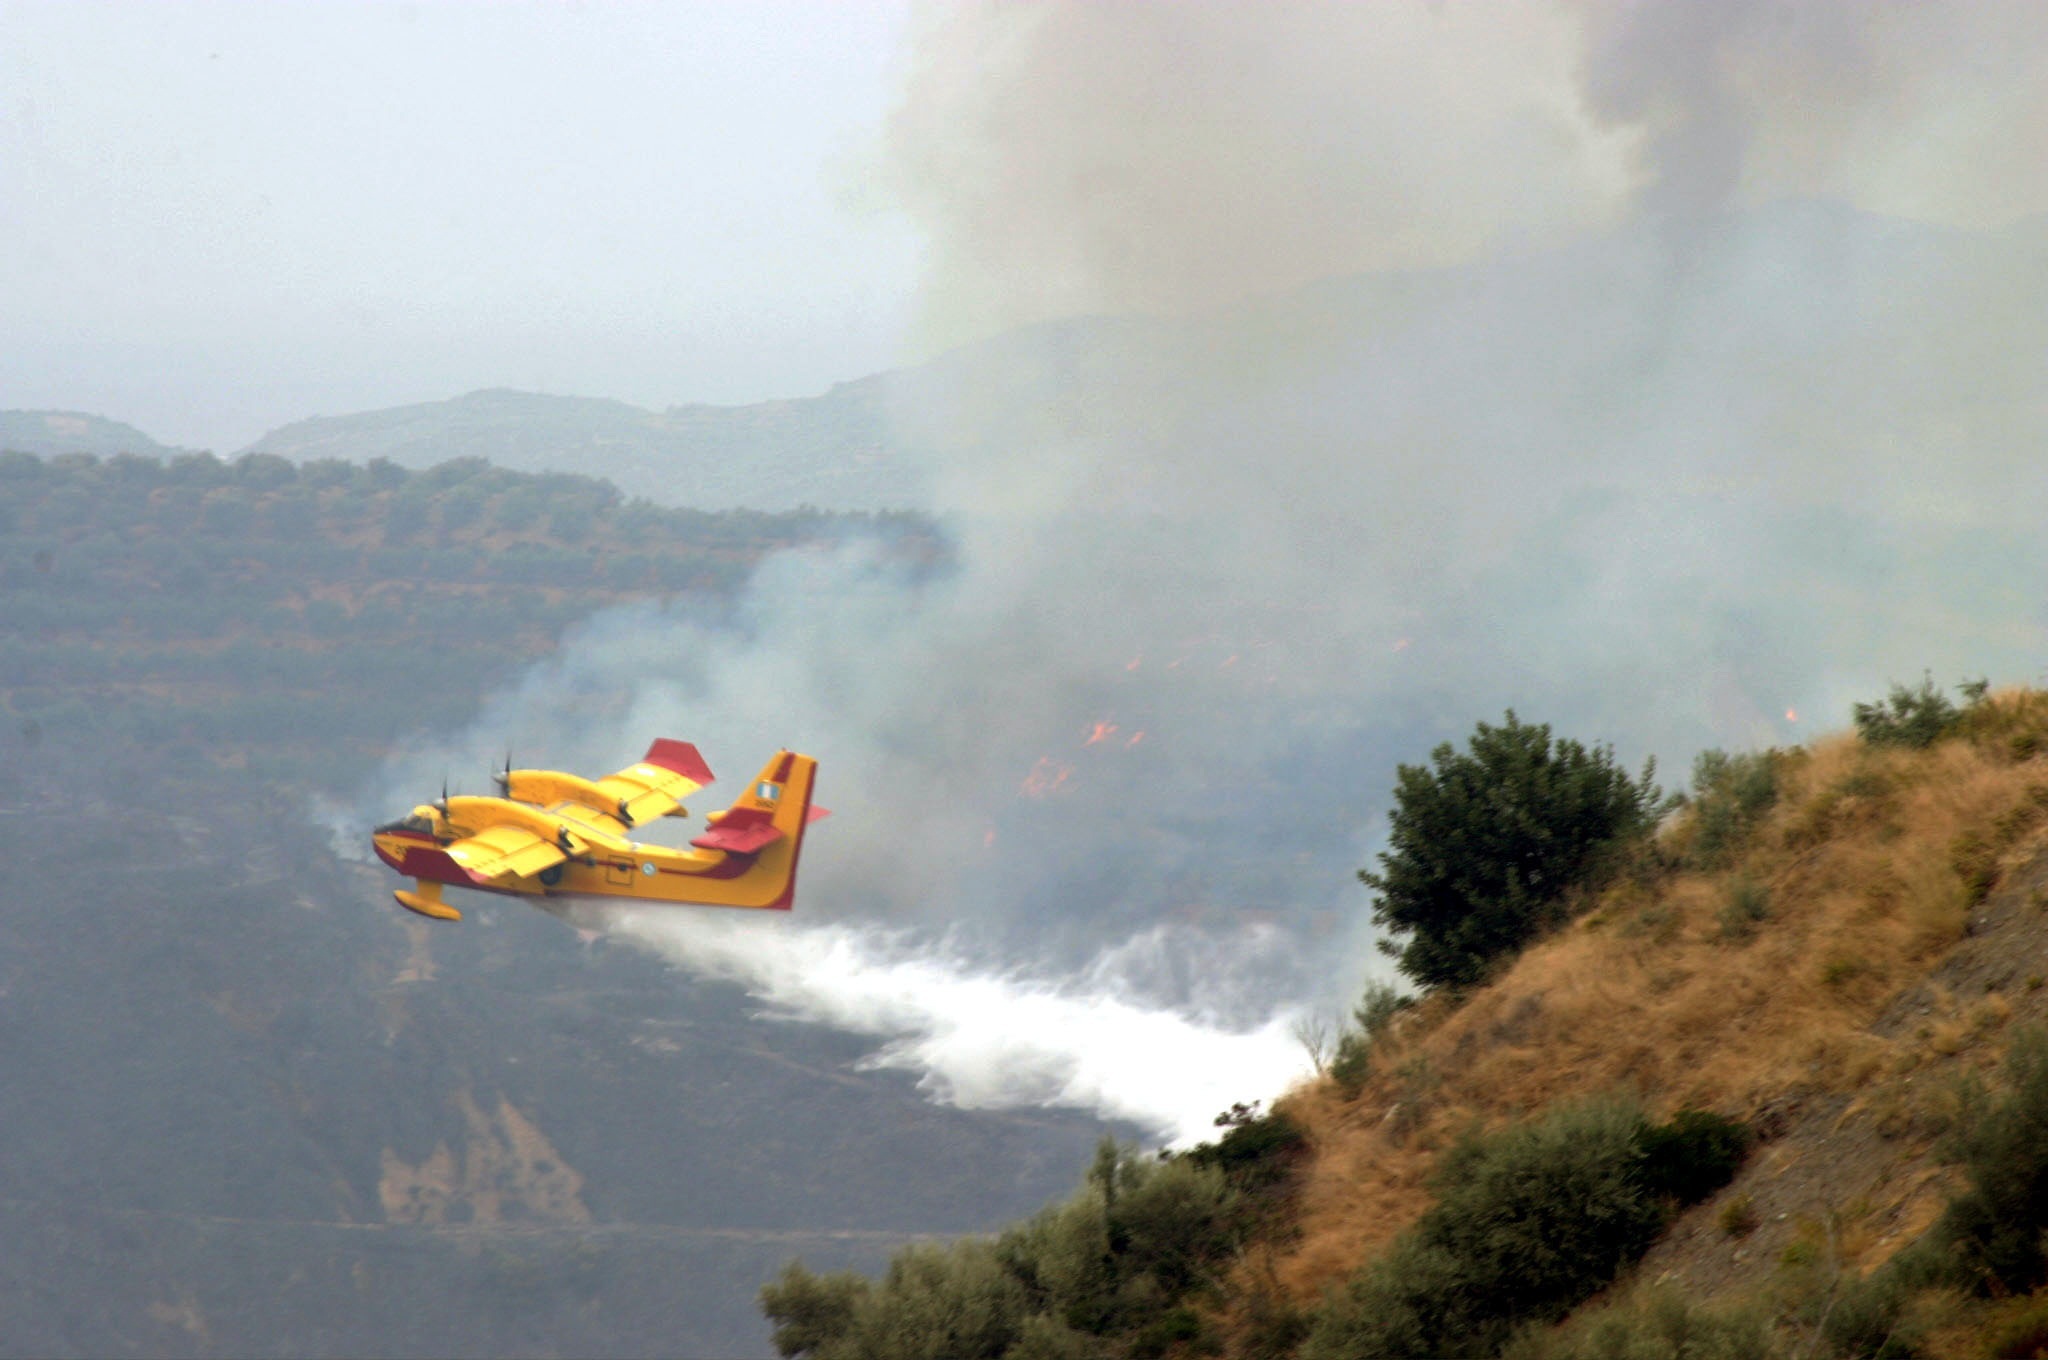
(1650, 993)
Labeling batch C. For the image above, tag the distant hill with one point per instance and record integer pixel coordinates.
(830, 451)
(370, 599)
(1872, 363)
(49, 433)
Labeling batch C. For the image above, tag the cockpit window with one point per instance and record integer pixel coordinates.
(415, 822)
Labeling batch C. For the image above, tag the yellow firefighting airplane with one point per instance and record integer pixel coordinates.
(555, 835)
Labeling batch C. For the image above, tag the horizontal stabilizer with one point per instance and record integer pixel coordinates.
(816, 814)
(740, 831)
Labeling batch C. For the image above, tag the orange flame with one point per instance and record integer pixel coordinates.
(1047, 777)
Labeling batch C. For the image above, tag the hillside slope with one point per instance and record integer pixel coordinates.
(49, 433)
(1776, 1086)
(1838, 981)
(273, 611)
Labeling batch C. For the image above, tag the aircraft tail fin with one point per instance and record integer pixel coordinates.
(770, 817)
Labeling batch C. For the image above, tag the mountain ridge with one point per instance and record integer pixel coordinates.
(828, 450)
(1858, 314)
(51, 433)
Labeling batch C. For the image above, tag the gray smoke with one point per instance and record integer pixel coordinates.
(1391, 366)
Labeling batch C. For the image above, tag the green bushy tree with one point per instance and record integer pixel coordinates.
(935, 1303)
(1105, 1273)
(811, 1311)
(1916, 717)
(1730, 795)
(941, 1303)
(1485, 844)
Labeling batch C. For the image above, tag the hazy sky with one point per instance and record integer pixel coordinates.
(216, 218)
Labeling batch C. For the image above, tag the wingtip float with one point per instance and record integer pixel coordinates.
(555, 835)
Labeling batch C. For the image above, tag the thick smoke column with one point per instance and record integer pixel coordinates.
(1924, 111)
(1663, 376)
(1599, 361)
(1076, 158)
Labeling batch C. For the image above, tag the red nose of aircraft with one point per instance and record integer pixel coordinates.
(392, 839)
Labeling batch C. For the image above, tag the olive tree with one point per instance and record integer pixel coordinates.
(1486, 842)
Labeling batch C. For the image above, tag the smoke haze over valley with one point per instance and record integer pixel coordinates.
(1717, 459)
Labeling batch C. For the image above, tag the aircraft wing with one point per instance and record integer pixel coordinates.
(500, 852)
(670, 772)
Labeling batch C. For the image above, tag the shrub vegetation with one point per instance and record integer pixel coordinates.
(1990, 1241)
(1352, 1063)
(1659, 1325)
(1259, 1152)
(1485, 844)
(1730, 795)
(1113, 1271)
(1916, 717)
(1993, 1230)
(1529, 1222)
